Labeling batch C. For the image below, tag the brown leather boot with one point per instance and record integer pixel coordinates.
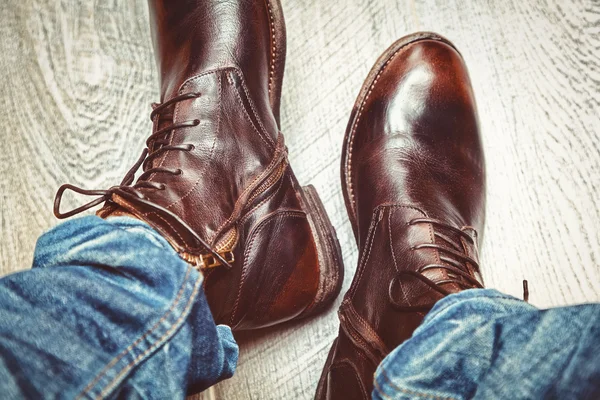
(414, 185)
(217, 183)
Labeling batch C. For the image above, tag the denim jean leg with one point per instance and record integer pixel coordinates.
(481, 344)
(108, 310)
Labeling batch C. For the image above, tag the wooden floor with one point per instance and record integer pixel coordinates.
(77, 78)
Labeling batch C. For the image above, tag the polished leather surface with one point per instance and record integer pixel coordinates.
(192, 37)
(219, 182)
(414, 182)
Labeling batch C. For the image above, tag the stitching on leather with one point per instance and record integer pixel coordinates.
(174, 327)
(241, 102)
(256, 178)
(431, 235)
(362, 322)
(370, 240)
(219, 104)
(281, 170)
(394, 257)
(197, 77)
(263, 137)
(258, 193)
(254, 234)
(391, 241)
(368, 327)
(117, 358)
(358, 339)
(273, 52)
(194, 188)
(176, 113)
(382, 206)
(435, 251)
(253, 108)
(373, 229)
(423, 213)
(357, 120)
(249, 213)
(371, 235)
(195, 185)
(403, 390)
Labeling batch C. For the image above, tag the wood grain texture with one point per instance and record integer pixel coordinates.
(77, 77)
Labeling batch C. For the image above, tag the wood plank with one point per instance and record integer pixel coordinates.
(77, 78)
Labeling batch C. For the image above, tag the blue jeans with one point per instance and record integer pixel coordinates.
(482, 344)
(110, 310)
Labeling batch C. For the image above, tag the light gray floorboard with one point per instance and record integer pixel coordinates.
(77, 77)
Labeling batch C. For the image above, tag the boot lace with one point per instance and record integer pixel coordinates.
(453, 255)
(156, 144)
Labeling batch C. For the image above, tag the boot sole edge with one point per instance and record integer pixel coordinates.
(329, 253)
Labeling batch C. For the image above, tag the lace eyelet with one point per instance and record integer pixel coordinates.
(162, 187)
(191, 147)
(196, 122)
(179, 171)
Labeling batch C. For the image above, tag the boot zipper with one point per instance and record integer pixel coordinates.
(205, 262)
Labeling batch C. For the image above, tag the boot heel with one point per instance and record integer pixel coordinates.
(328, 251)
